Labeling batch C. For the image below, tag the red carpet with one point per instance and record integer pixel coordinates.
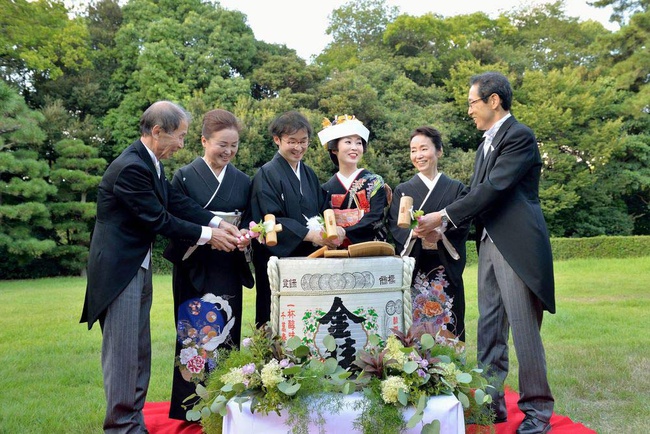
(559, 424)
(155, 415)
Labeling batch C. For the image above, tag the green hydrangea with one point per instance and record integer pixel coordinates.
(390, 388)
(271, 374)
(394, 350)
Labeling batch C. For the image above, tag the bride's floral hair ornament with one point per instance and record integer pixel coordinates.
(342, 126)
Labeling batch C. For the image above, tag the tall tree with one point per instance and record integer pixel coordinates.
(544, 38)
(76, 173)
(38, 40)
(623, 9)
(88, 91)
(171, 50)
(357, 30)
(628, 65)
(24, 218)
(360, 23)
(429, 45)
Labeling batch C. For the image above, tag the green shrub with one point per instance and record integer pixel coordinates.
(600, 247)
(592, 247)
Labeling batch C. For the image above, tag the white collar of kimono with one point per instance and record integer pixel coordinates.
(297, 171)
(347, 181)
(430, 183)
(220, 175)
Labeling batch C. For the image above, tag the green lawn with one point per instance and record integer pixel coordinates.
(598, 349)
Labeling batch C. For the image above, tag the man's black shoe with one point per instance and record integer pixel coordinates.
(532, 425)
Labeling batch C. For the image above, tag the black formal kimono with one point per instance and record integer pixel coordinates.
(368, 189)
(437, 289)
(207, 284)
(276, 190)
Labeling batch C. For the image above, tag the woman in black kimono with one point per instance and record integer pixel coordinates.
(207, 283)
(289, 189)
(438, 293)
(358, 196)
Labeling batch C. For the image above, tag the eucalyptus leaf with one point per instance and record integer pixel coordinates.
(422, 403)
(427, 341)
(330, 365)
(216, 406)
(238, 388)
(288, 388)
(205, 412)
(415, 419)
(329, 342)
(374, 339)
(239, 400)
(193, 415)
(343, 374)
(463, 399)
(410, 366)
(190, 398)
(293, 342)
(403, 397)
(431, 428)
(464, 377)
(301, 351)
(479, 396)
(348, 388)
(315, 363)
(292, 370)
(202, 391)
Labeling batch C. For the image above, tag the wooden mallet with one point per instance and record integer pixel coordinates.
(330, 224)
(404, 216)
(272, 236)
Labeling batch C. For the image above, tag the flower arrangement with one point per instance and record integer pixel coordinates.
(415, 216)
(403, 370)
(408, 368)
(317, 223)
(259, 230)
(273, 375)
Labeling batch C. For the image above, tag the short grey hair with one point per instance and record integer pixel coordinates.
(165, 114)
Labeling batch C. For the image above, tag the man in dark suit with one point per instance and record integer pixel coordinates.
(515, 271)
(135, 202)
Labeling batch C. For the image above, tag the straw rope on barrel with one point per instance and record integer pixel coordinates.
(274, 282)
(409, 265)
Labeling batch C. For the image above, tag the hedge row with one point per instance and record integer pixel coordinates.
(563, 249)
(593, 247)
(600, 247)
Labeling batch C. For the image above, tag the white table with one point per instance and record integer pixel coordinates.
(447, 409)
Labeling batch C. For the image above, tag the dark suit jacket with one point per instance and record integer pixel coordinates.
(503, 197)
(133, 206)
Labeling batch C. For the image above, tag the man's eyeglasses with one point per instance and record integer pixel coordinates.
(471, 103)
(302, 143)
